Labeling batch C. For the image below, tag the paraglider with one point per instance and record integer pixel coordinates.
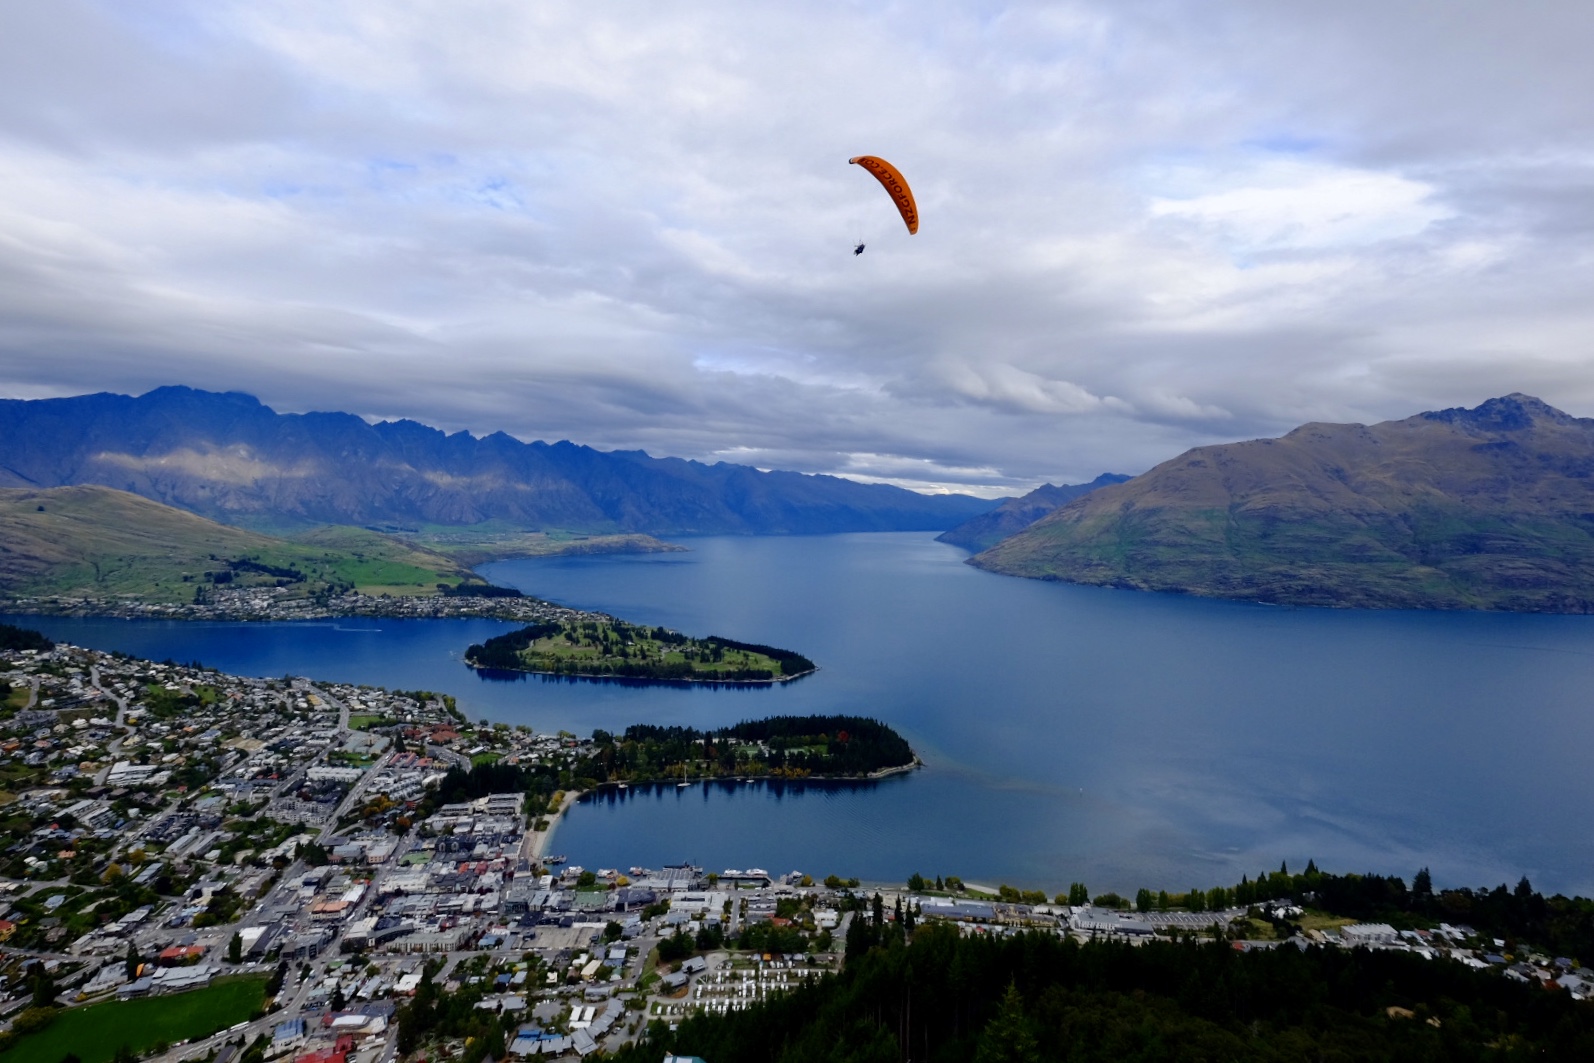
(892, 181)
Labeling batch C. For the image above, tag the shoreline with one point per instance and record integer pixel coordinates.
(885, 773)
(873, 776)
(536, 843)
(641, 679)
(348, 607)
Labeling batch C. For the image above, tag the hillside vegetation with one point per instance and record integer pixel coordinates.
(1490, 508)
(616, 649)
(97, 542)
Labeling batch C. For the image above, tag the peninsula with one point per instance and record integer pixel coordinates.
(613, 649)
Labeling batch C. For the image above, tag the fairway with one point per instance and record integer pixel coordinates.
(94, 1033)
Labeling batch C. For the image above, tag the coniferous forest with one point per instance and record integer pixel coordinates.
(941, 997)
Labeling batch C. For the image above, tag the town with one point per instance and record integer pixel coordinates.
(281, 603)
(324, 857)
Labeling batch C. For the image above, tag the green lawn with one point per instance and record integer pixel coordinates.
(95, 1032)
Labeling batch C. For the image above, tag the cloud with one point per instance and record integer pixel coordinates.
(1297, 206)
(1146, 225)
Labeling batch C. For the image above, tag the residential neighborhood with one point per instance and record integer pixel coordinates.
(172, 829)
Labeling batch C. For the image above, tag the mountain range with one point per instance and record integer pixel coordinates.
(228, 457)
(1016, 514)
(1487, 508)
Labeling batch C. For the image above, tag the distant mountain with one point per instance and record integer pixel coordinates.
(1016, 514)
(101, 543)
(1490, 508)
(229, 458)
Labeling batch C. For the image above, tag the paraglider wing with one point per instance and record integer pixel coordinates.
(893, 181)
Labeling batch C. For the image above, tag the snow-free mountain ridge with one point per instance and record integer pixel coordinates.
(230, 458)
(1487, 508)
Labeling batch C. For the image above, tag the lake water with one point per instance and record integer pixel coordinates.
(1070, 733)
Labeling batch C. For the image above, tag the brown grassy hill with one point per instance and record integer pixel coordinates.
(98, 542)
(1490, 508)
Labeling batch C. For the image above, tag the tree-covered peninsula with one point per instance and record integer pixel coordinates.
(786, 747)
(616, 649)
(780, 747)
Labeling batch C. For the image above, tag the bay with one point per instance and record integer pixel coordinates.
(1069, 733)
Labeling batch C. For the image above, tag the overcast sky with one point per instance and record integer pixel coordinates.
(1145, 225)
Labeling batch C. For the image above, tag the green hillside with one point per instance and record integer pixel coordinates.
(616, 649)
(97, 542)
(1491, 508)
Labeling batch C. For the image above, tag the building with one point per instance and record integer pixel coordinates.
(1368, 934)
(1105, 922)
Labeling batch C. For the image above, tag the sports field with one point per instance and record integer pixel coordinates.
(94, 1033)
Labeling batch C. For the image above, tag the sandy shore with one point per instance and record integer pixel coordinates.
(536, 844)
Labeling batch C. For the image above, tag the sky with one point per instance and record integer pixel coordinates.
(1146, 225)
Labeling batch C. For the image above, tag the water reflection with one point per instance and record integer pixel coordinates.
(507, 675)
(617, 794)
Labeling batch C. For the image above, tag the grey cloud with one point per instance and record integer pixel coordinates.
(1146, 225)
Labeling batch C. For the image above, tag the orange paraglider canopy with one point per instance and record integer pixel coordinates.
(892, 180)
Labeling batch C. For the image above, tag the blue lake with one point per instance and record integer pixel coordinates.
(1070, 733)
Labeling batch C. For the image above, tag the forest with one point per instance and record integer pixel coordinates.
(793, 747)
(786, 747)
(935, 995)
(615, 649)
(21, 638)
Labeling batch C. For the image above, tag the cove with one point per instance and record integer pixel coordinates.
(1069, 733)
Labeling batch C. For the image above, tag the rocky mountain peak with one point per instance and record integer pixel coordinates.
(1515, 412)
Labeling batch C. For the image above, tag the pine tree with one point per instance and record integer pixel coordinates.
(1008, 1037)
(43, 987)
